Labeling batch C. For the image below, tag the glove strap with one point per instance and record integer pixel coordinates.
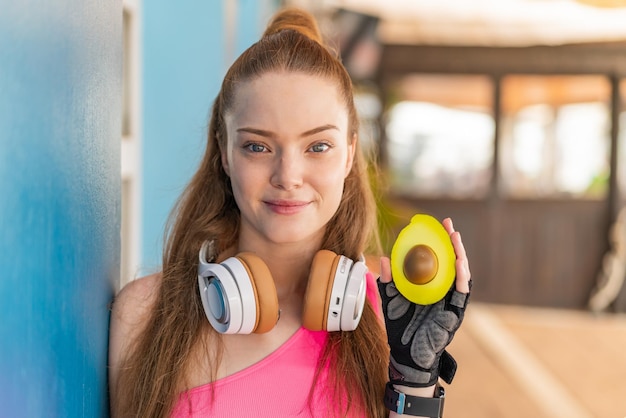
(447, 367)
(415, 405)
(446, 370)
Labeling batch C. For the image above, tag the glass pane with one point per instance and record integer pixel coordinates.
(440, 136)
(555, 136)
(368, 106)
(126, 75)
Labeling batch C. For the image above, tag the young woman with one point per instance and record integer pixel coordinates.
(282, 178)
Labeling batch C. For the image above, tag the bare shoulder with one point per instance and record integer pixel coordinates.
(136, 298)
(131, 310)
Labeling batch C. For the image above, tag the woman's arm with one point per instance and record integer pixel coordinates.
(131, 309)
(462, 286)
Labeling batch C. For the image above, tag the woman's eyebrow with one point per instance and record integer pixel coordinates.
(270, 134)
(319, 129)
(255, 131)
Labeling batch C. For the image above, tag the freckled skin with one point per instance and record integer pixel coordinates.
(288, 154)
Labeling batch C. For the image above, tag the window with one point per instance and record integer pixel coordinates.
(621, 141)
(131, 139)
(368, 106)
(440, 136)
(555, 136)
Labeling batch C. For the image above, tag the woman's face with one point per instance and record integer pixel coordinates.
(287, 156)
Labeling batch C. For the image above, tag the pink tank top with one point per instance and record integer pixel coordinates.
(277, 386)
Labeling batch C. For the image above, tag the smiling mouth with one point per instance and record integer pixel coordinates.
(286, 207)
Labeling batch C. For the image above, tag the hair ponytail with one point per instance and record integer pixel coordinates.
(297, 20)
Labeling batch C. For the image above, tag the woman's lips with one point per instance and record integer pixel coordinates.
(286, 207)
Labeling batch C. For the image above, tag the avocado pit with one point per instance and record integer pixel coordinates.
(420, 264)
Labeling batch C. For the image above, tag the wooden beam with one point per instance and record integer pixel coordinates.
(609, 58)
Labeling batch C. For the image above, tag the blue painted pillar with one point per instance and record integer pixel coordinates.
(60, 126)
(184, 61)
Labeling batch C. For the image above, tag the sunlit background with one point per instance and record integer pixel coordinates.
(507, 112)
(510, 117)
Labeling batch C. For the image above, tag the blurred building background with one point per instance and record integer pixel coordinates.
(508, 116)
(504, 115)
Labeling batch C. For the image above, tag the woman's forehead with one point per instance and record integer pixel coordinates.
(278, 99)
(286, 83)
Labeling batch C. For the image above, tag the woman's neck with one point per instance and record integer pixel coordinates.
(289, 263)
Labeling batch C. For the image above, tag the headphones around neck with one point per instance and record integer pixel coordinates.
(239, 295)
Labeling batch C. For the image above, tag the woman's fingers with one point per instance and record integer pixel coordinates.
(385, 270)
(447, 224)
(463, 274)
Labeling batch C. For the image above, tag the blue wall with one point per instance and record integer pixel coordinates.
(60, 125)
(183, 65)
(182, 53)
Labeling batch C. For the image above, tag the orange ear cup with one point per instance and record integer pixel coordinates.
(264, 292)
(317, 296)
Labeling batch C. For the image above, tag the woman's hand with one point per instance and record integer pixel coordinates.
(463, 275)
(418, 335)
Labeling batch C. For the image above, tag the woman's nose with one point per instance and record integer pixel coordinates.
(287, 173)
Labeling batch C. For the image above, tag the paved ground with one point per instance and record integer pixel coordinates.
(540, 363)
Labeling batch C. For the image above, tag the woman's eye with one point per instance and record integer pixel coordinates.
(321, 147)
(255, 147)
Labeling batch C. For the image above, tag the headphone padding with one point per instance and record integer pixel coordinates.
(316, 299)
(264, 291)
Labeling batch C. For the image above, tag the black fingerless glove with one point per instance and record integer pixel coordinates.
(418, 336)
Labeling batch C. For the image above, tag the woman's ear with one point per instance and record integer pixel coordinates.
(351, 153)
(225, 165)
(223, 148)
